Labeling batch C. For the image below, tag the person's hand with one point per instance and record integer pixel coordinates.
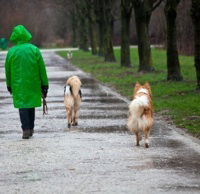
(9, 90)
(44, 91)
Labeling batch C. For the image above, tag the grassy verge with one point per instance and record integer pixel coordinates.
(177, 101)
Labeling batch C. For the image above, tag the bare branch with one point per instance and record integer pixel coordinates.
(156, 5)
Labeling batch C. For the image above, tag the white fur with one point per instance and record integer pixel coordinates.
(67, 91)
(136, 109)
(142, 90)
(141, 100)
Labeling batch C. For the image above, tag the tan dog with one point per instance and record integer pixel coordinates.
(72, 99)
(141, 112)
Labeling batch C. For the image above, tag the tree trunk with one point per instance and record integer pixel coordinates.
(101, 51)
(143, 10)
(99, 7)
(82, 25)
(74, 30)
(173, 65)
(144, 48)
(93, 37)
(109, 52)
(108, 32)
(197, 52)
(83, 39)
(90, 13)
(125, 35)
(195, 10)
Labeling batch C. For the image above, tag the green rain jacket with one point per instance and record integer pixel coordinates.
(25, 70)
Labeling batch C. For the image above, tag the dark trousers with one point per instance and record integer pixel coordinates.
(27, 118)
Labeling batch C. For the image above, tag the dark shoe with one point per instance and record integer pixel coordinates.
(26, 134)
(31, 132)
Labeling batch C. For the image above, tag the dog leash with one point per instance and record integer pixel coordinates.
(45, 108)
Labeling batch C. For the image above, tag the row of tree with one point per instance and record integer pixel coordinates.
(49, 22)
(45, 19)
(95, 19)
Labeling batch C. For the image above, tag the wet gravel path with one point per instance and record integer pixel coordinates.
(98, 156)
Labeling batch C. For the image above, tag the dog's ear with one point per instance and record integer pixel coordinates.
(148, 87)
(137, 86)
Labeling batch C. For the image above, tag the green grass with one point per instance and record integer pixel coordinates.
(176, 101)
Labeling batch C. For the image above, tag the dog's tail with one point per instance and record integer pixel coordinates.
(75, 84)
(76, 88)
(137, 120)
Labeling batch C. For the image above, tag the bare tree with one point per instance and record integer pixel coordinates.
(126, 11)
(105, 20)
(92, 25)
(173, 65)
(109, 24)
(74, 24)
(185, 31)
(195, 13)
(143, 10)
(100, 25)
(81, 9)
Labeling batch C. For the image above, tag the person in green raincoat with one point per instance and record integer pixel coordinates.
(26, 77)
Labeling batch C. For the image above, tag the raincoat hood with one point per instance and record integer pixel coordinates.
(20, 35)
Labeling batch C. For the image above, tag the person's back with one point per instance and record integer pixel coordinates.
(25, 75)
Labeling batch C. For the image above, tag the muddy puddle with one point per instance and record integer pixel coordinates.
(103, 100)
(84, 117)
(189, 164)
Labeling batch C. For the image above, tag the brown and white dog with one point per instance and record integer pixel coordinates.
(72, 99)
(141, 113)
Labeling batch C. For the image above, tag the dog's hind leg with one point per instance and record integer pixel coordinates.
(76, 113)
(138, 138)
(146, 137)
(75, 118)
(69, 117)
